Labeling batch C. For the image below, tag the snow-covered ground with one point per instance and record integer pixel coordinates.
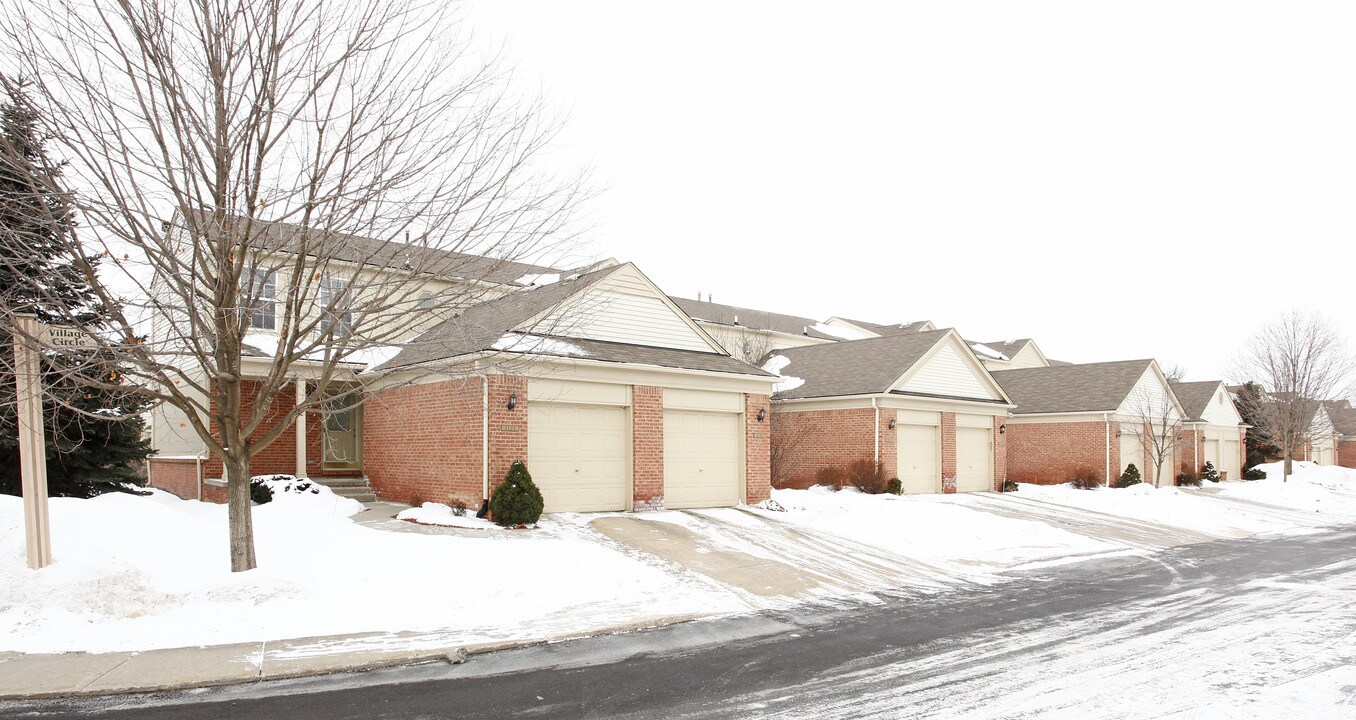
(144, 572)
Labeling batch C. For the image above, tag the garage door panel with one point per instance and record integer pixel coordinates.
(701, 459)
(916, 453)
(974, 459)
(577, 456)
(1230, 461)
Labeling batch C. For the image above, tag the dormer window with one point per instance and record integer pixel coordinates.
(425, 301)
(263, 287)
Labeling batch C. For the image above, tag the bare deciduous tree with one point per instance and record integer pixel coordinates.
(1158, 425)
(1300, 360)
(338, 175)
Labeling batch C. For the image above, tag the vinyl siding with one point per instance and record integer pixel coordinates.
(623, 308)
(1027, 357)
(1220, 410)
(946, 373)
(1148, 400)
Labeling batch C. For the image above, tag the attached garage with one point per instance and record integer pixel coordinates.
(701, 459)
(1231, 460)
(578, 455)
(919, 470)
(974, 454)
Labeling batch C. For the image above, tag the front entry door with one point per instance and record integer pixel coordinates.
(342, 438)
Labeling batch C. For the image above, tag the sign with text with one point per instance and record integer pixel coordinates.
(65, 336)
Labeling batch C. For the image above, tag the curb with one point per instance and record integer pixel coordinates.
(452, 655)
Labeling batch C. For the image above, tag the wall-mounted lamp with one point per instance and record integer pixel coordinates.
(1002, 429)
(513, 402)
(1118, 432)
(762, 414)
(892, 423)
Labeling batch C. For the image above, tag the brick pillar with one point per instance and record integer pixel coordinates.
(508, 428)
(1000, 453)
(948, 452)
(647, 448)
(889, 447)
(757, 449)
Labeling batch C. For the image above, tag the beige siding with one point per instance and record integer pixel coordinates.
(946, 373)
(1220, 410)
(171, 433)
(1149, 400)
(1027, 357)
(750, 345)
(620, 317)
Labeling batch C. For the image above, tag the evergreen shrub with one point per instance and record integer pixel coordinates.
(517, 500)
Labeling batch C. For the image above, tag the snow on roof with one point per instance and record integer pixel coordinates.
(539, 279)
(528, 343)
(775, 365)
(987, 351)
(841, 332)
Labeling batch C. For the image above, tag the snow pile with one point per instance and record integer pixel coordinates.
(932, 529)
(135, 573)
(987, 351)
(1325, 489)
(775, 365)
(842, 332)
(527, 343)
(431, 513)
(292, 494)
(1160, 506)
(539, 279)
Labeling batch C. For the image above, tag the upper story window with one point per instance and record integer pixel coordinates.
(263, 289)
(425, 301)
(336, 301)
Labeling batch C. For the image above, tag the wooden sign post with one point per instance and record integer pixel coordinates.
(32, 442)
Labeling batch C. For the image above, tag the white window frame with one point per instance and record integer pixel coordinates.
(334, 291)
(263, 286)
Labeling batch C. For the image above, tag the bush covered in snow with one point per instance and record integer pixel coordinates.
(1189, 480)
(1009, 486)
(895, 486)
(1130, 477)
(260, 492)
(517, 500)
(1085, 479)
(1208, 472)
(1254, 473)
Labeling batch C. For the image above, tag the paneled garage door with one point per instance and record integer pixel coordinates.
(917, 452)
(1214, 454)
(577, 456)
(1231, 460)
(974, 459)
(701, 459)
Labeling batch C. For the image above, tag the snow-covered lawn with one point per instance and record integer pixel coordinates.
(1325, 489)
(145, 572)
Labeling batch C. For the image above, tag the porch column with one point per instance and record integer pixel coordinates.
(301, 431)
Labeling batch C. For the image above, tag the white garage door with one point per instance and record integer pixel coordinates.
(1214, 453)
(701, 459)
(974, 459)
(577, 456)
(1132, 452)
(917, 458)
(1230, 460)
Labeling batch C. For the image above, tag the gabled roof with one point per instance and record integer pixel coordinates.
(1195, 397)
(1343, 416)
(889, 329)
(871, 366)
(1092, 387)
(284, 237)
(717, 314)
(484, 328)
(1008, 348)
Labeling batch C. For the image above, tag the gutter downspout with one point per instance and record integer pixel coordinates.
(1106, 421)
(484, 436)
(198, 462)
(877, 451)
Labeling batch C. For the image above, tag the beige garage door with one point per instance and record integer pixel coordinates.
(974, 459)
(917, 452)
(1230, 461)
(1132, 452)
(701, 459)
(1213, 453)
(577, 456)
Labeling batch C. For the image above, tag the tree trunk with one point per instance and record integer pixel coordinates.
(240, 513)
(1289, 468)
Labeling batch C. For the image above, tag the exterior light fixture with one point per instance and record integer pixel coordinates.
(1002, 429)
(892, 423)
(513, 402)
(1119, 432)
(762, 414)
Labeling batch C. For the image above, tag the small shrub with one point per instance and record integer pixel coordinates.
(868, 476)
(1253, 473)
(517, 500)
(260, 492)
(894, 487)
(1209, 472)
(1188, 479)
(1130, 477)
(1085, 479)
(1009, 486)
(832, 476)
(459, 507)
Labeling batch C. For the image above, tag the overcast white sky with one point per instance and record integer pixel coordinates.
(1116, 180)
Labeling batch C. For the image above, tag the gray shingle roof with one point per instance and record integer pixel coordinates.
(481, 326)
(887, 330)
(345, 247)
(1343, 416)
(1093, 387)
(1009, 348)
(1195, 397)
(745, 317)
(854, 367)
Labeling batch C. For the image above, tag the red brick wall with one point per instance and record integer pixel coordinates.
(508, 428)
(812, 440)
(423, 442)
(647, 447)
(757, 447)
(1000, 452)
(1183, 459)
(948, 452)
(281, 455)
(1049, 453)
(1346, 453)
(177, 476)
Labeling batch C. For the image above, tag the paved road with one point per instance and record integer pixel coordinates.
(1263, 627)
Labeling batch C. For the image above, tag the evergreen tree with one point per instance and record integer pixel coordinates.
(1209, 472)
(1260, 443)
(1130, 477)
(517, 501)
(94, 436)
